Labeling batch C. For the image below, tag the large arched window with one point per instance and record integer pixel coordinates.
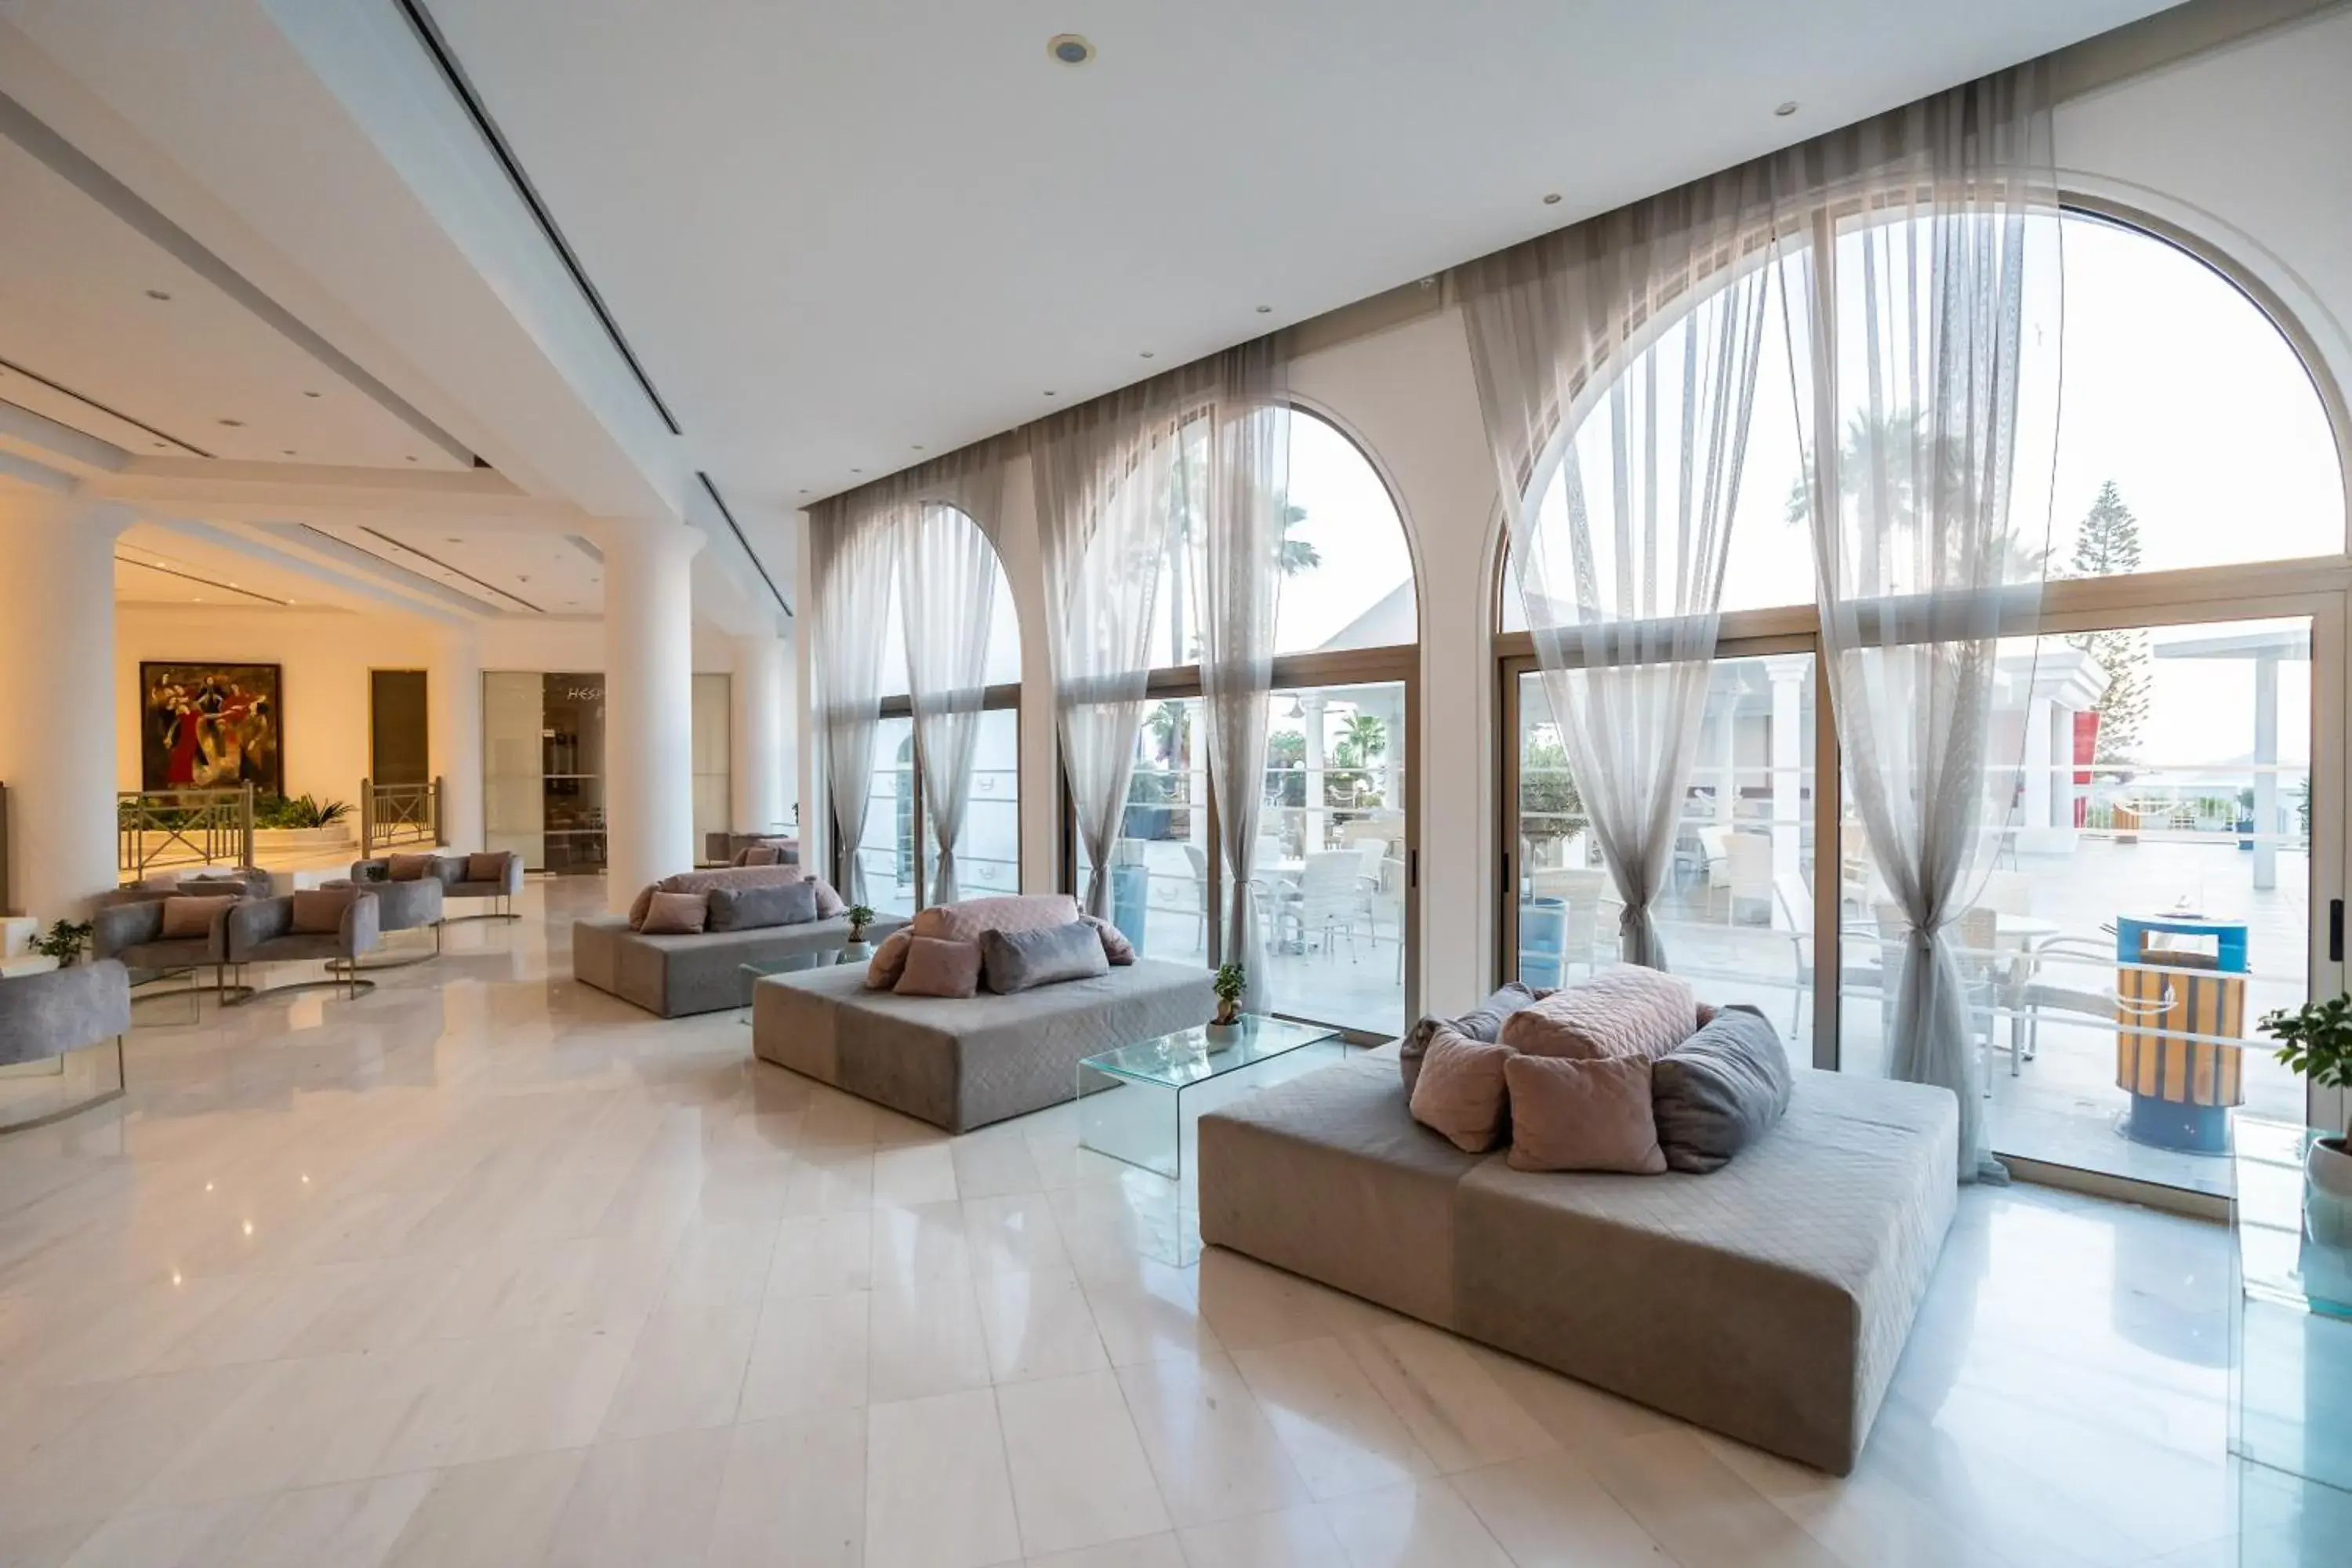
(988, 847)
(2166, 730)
(1336, 852)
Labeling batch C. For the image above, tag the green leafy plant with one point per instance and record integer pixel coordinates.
(2315, 1040)
(859, 917)
(64, 941)
(300, 811)
(1228, 985)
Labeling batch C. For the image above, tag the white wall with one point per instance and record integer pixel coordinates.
(2243, 147)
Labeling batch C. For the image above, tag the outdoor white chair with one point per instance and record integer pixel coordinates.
(1586, 937)
(1387, 903)
(1794, 901)
(2033, 990)
(1199, 862)
(1330, 898)
(1714, 844)
(1750, 873)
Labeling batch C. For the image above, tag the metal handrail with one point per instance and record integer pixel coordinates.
(396, 814)
(160, 827)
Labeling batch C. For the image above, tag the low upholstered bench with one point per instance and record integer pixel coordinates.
(964, 1062)
(678, 976)
(1768, 1300)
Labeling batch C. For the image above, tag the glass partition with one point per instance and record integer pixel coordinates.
(543, 768)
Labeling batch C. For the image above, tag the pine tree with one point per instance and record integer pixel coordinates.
(2106, 545)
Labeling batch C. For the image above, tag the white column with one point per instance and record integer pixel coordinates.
(756, 734)
(56, 722)
(1311, 839)
(648, 704)
(2266, 748)
(2040, 769)
(1727, 757)
(1790, 675)
(454, 698)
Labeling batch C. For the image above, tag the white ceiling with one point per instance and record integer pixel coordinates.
(154, 565)
(93, 350)
(841, 236)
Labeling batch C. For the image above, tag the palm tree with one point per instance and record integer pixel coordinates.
(1888, 451)
(1365, 736)
(1297, 555)
(1170, 724)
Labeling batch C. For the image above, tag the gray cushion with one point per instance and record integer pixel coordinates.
(1720, 1091)
(1015, 961)
(1484, 1022)
(759, 908)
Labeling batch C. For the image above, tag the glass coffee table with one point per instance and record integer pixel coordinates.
(1143, 1124)
(2291, 1379)
(752, 974)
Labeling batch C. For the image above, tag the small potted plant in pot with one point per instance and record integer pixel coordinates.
(64, 941)
(1228, 985)
(856, 949)
(2315, 1040)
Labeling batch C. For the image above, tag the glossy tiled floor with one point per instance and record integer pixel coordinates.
(486, 1268)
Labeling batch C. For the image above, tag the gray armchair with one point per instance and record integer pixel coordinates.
(56, 1013)
(452, 873)
(261, 930)
(132, 932)
(403, 906)
(245, 881)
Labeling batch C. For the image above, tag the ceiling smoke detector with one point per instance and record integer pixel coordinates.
(1069, 49)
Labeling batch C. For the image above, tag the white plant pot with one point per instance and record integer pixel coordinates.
(1222, 1033)
(2327, 1195)
(855, 952)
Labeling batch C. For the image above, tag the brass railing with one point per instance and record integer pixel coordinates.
(161, 827)
(396, 814)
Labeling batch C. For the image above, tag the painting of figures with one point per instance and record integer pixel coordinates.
(210, 726)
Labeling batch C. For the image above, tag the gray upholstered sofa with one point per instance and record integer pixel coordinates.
(677, 975)
(450, 871)
(727, 849)
(59, 1011)
(261, 930)
(1768, 1300)
(961, 1063)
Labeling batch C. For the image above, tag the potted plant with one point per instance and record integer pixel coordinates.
(855, 949)
(1228, 984)
(63, 942)
(2315, 1040)
(2246, 819)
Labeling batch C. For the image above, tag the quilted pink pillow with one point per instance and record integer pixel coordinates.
(1115, 947)
(1016, 911)
(1461, 1090)
(1579, 1115)
(889, 961)
(937, 968)
(1624, 1011)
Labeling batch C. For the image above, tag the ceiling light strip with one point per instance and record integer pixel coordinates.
(207, 582)
(445, 566)
(89, 402)
(70, 163)
(735, 528)
(428, 33)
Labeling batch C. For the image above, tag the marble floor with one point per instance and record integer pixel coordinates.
(488, 1269)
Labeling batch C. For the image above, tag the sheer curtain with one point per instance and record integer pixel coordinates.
(854, 551)
(1625, 349)
(1235, 484)
(947, 576)
(1924, 306)
(1104, 474)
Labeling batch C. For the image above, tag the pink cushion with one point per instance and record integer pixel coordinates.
(1461, 1090)
(1572, 1114)
(1013, 912)
(675, 914)
(319, 911)
(728, 877)
(486, 865)
(939, 968)
(408, 867)
(1115, 947)
(185, 917)
(1624, 1011)
(889, 961)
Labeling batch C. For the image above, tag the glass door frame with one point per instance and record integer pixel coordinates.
(1398, 665)
(2319, 588)
(994, 699)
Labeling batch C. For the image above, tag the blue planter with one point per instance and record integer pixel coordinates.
(1543, 941)
(1130, 894)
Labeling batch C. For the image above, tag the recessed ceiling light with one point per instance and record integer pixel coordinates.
(919, 445)
(163, 443)
(1049, 393)
(803, 490)
(1146, 353)
(412, 457)
(288, 450)
(233, 424)
(449, 539)
(522, 577)
(1786, 109)
(1551, 198)
(308, 394)
(858, 470)
(1265, 310)
(1069, 49)
(158, 294)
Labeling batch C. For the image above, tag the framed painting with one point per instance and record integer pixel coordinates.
(204, 725)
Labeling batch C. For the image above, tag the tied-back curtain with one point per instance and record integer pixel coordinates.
(1235, 485)
(1104, 475)
(946, 575)
(1624, 350)
(854, 553)
(1921, 273)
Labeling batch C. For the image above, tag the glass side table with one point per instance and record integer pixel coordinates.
(1145, 1126)
(2291, 1378)
(752, 974)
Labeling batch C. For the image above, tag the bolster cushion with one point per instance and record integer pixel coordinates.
(1017, 961)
